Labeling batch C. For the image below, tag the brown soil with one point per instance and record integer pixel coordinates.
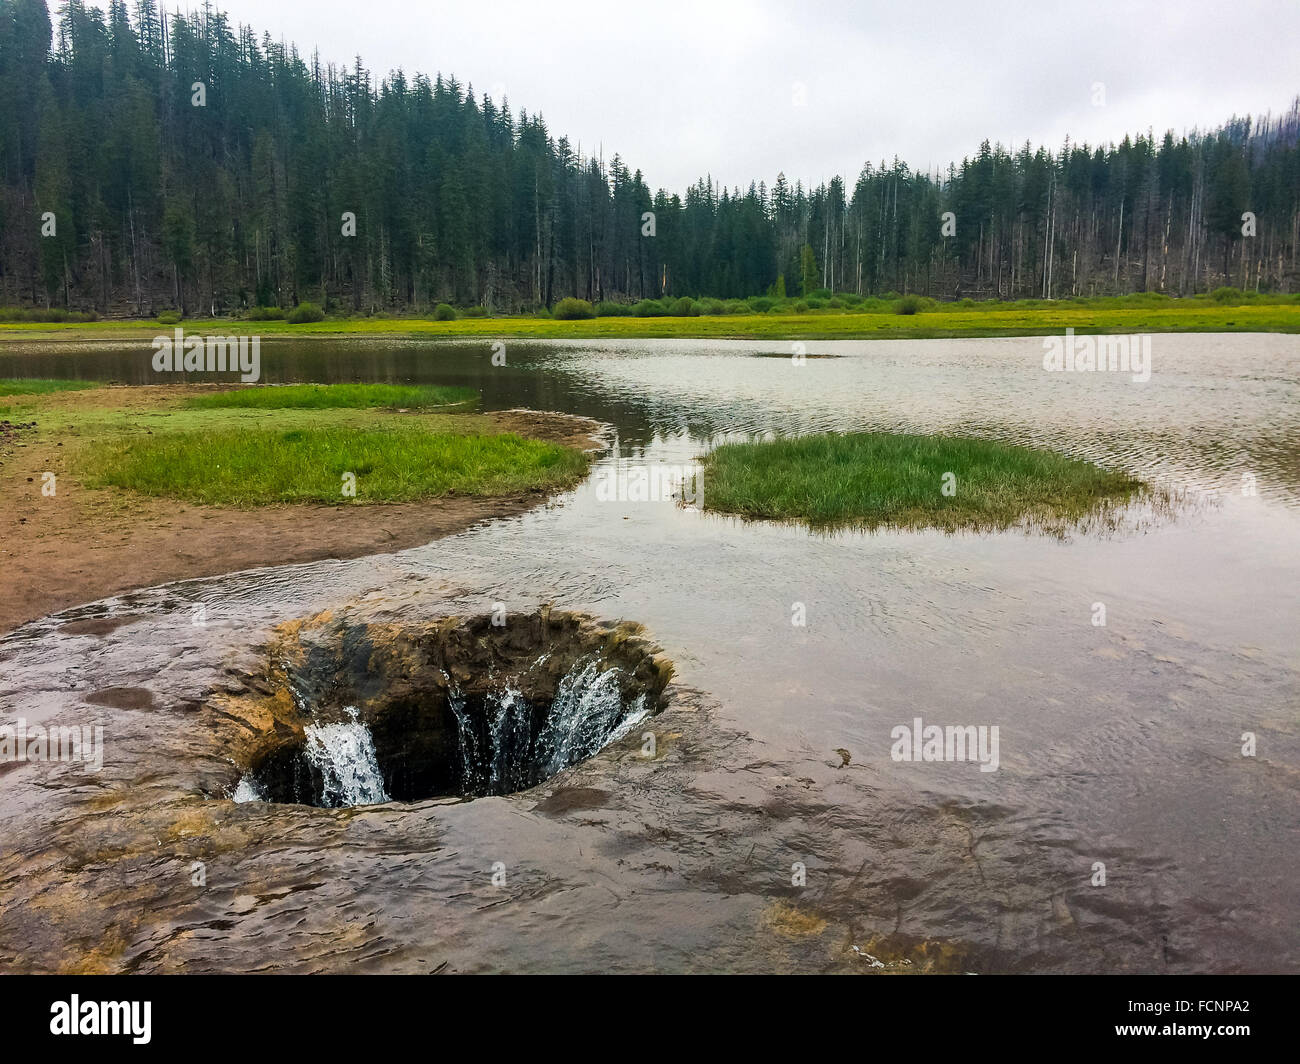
(94, 544)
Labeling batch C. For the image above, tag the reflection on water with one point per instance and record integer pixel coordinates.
(1216, 407)
(1120, 742)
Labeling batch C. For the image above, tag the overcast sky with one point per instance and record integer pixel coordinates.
(680, 88)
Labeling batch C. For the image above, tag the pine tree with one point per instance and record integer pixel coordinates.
(239, 202)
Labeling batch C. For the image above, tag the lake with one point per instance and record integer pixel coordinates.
(1120, 743)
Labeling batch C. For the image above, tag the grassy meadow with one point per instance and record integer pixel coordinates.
(19, 386)
(247, 467)
(336, 397)
(871, 479)
(845, 316)
(280, 445)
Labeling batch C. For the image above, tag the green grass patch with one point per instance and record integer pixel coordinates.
(869, 319)
(336, 397)
(247, 467)
(40, 386)
(870, 479)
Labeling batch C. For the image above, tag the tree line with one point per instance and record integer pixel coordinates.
(152, 161)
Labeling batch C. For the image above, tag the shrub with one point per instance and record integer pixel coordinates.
(819, 293)
(649, 308)
(712, 307)
(608, 309)
(685, 308)
(1227, 295)
(909, 305)
(737, 306)
(817, 304)
(43, 315)
(800, 307)
(474, 312)
(444, 312)
(835, 303)
(760, 304)
(169, 317)
(304, 313)
(542, 312)
(571, 309)
(265, 314)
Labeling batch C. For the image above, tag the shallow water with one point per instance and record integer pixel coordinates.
(1118, 744)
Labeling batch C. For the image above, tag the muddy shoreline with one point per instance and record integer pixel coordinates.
(90, 544)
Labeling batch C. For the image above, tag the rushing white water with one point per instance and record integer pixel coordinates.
(635, 716)
(248, 790)
(507, 748)
(507, 743)
(510, 734)
(345, 755)
(470, 759)
(588, 708)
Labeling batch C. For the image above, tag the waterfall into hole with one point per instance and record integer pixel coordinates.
(470, 732)
(345, 756)
(508, 743)
(510, 730)
(341, 757)
(249, 790)
(587, 712)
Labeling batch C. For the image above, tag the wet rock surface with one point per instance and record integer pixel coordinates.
(685, 846)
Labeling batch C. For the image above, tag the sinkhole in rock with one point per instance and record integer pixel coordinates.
(361, 713)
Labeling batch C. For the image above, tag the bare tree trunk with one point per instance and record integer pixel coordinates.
(1119, 236)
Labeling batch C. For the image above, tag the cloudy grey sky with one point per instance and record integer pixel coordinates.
(743, 90)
